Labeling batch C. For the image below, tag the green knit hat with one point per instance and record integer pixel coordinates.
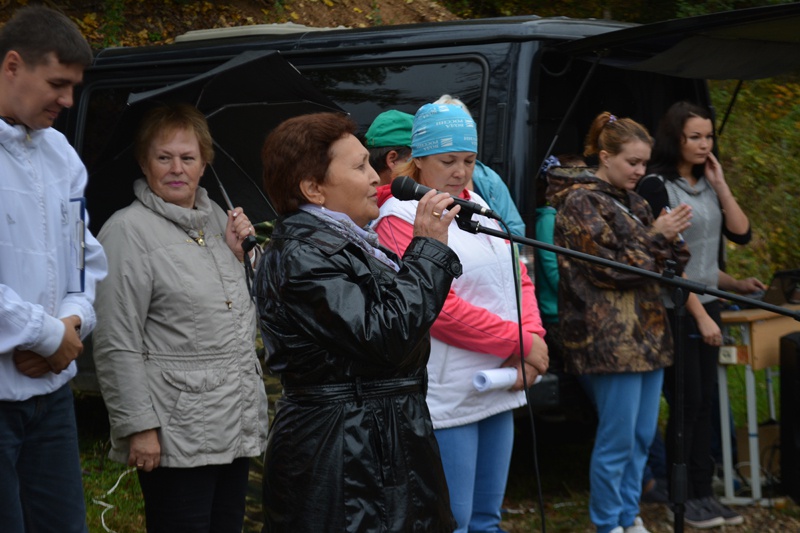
(390, 128)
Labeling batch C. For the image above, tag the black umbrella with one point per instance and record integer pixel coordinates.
(243, 99)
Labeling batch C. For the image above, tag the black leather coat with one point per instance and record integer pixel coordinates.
(351, 447)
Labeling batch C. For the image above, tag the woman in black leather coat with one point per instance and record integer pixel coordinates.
(346, 325)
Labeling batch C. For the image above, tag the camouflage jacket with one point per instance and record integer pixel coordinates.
(611, 320)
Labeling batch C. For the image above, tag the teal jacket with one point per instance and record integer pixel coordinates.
(491, 187)
(546, 265)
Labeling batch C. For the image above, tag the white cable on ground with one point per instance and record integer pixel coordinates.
(108, 506)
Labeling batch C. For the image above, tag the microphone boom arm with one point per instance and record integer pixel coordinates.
(667, 277)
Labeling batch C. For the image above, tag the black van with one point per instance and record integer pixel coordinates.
(533, 84)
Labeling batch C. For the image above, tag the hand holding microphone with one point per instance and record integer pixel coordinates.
(431, 219)
(405, 188)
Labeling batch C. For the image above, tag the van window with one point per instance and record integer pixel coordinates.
(363, 89)
(366, 90)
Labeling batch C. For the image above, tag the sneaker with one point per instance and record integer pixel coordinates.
(697, 515)
(637, 527)
(731, 517)
(617, 529)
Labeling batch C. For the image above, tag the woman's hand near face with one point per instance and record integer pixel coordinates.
(671, 223)
(714, 174)
(237, 229)
(145, 450)
(431, 219)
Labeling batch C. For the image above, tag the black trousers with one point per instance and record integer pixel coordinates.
(202, 499)
(700, 387)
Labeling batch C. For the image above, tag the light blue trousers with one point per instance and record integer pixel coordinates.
(627, 411)
(476, 458)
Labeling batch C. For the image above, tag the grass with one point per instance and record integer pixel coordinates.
(564, 450)
(123, 509)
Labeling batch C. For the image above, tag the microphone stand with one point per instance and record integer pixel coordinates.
(681, 288)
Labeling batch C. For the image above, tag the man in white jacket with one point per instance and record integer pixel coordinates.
(43, 314)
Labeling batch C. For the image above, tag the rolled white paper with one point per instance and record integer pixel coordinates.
(497, 379)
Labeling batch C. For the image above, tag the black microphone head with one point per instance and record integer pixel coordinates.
(404, 188)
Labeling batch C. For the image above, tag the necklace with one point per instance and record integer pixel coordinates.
(197, 236)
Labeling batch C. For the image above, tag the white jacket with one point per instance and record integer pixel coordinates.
(487, 282)
(39, 174)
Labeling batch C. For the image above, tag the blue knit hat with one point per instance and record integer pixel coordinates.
(443, 128)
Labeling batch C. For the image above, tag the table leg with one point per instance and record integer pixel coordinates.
(770, 395)
(725, 434)
(752, 430)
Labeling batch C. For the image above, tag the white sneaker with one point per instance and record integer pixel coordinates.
(637, 527)
(617, 529)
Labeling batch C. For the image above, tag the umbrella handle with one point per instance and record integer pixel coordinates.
(249, 243)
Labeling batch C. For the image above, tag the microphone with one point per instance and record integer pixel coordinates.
(405, 188)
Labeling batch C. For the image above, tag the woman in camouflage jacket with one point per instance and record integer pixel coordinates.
(614, 324)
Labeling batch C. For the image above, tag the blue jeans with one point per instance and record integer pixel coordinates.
(627, 412)
(41, 488)
(200, 499)
(476, 458)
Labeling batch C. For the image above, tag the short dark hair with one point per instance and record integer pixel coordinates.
(298, 149)
(34, 32)
(669, 139)
(168, 118)
(377, 156)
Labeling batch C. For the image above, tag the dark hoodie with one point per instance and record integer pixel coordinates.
(612, 321)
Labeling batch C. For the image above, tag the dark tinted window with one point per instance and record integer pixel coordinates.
(367, 90)
(363, 90)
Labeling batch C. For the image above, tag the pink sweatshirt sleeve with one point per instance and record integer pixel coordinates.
(469, 326)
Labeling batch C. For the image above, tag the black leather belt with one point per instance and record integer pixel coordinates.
(356, 390)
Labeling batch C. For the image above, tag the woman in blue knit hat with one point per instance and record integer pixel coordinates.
(477, 329)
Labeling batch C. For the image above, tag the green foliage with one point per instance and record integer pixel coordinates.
(625, 10)
(686, 8)
(737, 394)
(375, 14)
(759, 149)
(114, 21)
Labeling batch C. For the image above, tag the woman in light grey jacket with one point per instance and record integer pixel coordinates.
(174, 344)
